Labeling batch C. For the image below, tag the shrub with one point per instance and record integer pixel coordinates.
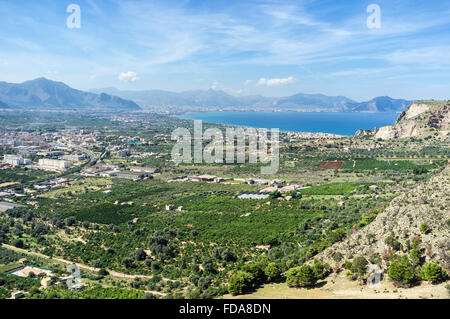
(359, 267)
(434, 273)
(337, 256)
(320, 270)
(416, 257)
(424, 228)
(18, 243)
(302, 276)
(392, 242)
(402, 272)
(272, 272)
(256, 271)
(240, 283)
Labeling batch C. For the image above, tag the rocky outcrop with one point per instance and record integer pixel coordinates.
(427, 203)
(404, 129)
(420, 119)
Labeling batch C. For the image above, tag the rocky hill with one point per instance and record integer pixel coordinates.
(381, 104)
(427, 204)
(420, 119)
(46, 94)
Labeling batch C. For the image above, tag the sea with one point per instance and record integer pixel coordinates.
(342, 123)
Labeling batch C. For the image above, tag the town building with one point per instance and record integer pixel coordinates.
(15, 160)
(52, 164)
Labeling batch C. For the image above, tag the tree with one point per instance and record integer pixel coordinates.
(227, 255)
(320, 270)
(302, 276)
(127, 262)
(240, 283)
(402, 272)
(272, 272)
(359, 267)
(203, 283)
(255, 269)
(392, 242)
(434, 273)
(18, 243)
(140, 254)
(274, 194)
(416, 257)
(70, 221)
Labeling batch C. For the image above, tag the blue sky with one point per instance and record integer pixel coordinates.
(272, 48)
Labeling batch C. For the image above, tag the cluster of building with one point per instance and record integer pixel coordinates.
(45, 276)
(16, 160)
(215, 179)
(134, 173)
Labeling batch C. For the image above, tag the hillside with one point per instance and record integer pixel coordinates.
(381, 104)
(427, 203)
(47, 94)
(421, 119)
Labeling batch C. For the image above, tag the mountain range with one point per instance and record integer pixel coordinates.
(46, 94)
(219, 99)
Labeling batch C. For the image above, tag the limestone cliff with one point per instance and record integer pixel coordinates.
(420, 119)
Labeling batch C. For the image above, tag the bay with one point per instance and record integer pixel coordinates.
(343, 123)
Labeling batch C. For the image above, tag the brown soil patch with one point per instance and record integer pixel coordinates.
(330, 165)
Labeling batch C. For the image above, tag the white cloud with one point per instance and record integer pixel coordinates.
(248, 82)
(276, 82)
(128, 77)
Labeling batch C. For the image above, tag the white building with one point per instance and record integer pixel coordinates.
(15, 160)
(53, 164)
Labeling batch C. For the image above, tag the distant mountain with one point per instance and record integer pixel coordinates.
(195, 98)
(219, 99)
(306, 101)
(44, 93)
(382, 104)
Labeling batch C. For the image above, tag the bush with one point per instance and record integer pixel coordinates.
(240, 283)
(359, 267)
(18, 243)
(434, 273)
(320, 270)
(256, 271)
(402, 272)
(424, 228)
(302, 276)
(416, 257)
(392, 242)
(272, 272)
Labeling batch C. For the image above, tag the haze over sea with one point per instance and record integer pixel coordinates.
(345, 123)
